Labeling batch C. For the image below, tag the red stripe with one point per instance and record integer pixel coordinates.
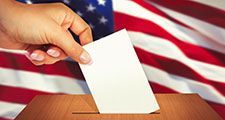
(176, 67)
(219, 108)
(159, 12)
(157, 88)
(20, 62)
(24, 96)
(148, 27)
(19, 95)
(5, 119)
(200, 11)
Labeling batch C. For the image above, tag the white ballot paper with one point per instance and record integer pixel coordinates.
(116, 78)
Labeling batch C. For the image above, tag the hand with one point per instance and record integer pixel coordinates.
(30, 27)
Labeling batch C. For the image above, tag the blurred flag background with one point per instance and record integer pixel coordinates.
(181, 45)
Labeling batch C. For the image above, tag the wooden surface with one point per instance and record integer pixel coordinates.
(82, 107)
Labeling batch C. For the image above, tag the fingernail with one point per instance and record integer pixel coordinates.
(37, 57)
(86, 58)
(53, 53)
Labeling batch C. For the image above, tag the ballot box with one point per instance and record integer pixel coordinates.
(83, 107)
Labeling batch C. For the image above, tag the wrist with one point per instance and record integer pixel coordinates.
(6, 5)
(9, 12)
(9, 7)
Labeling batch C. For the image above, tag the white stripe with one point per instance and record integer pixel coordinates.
(13, 51)
(178, 31)
(166, 48)
(219, 4)
(42, 82)
(10, 110)
(182, 85)
(214, 32)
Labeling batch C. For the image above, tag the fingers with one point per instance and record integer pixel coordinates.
(65, 41)
(57, 33)
(78, 26)
(69, 19)
(82, 29)
(40, 57)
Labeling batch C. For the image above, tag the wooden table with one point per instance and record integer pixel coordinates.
(82, 107)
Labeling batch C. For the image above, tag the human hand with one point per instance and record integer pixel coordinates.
(30, 27)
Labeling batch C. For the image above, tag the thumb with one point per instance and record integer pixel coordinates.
(64, 40)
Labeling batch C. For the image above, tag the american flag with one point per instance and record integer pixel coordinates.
(181, 45)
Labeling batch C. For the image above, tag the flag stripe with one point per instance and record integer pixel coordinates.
(147, 27)
(24, 96)
(219, 4)
(181, 33)
(162, 89)
(158, 12)
(42, 82)
(182, 85)
(5, 119)
(11, 110)
(167, 49)
(19, 95)
(20, 62)
(18, 58)
(157, 88)
(214, 32)
(168, 65)
(219, 108)
(203, 12)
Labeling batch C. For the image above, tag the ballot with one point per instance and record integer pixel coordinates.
(116, 78)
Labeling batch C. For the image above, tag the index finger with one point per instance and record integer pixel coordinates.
(81, 29)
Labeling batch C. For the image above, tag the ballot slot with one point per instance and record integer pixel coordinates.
(87, 112)
(94, 112)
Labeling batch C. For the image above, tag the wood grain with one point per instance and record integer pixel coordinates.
(82, 107)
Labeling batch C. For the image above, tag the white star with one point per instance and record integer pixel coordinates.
(90, 8)
(103, 20)
(91, 25)
(28, 2)
(66, 1)
(79, 13)
(101, 2)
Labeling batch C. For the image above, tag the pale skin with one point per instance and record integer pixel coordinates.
(31, 27)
